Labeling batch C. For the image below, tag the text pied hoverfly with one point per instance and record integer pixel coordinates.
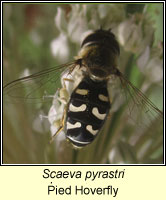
(82, 105)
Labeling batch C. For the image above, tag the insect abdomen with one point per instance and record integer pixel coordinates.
(87, 110)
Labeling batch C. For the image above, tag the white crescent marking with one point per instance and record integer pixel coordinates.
(71, 126)
(103, 98)
(90, 129)
(77, 109)
(82, 91)
(97, 114)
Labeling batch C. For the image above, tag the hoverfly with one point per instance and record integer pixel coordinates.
(85, 97)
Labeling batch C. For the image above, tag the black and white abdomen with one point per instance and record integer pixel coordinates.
(87, 110)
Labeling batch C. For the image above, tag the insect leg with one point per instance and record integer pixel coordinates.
(63, 97)
(66, 79)
(64, 91)
(61, 126)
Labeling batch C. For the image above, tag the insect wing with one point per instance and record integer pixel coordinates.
(35, 88)
(139, 111)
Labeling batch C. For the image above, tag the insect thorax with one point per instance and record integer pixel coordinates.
(99, 53)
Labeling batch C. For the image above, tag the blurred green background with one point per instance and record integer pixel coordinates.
(39, 36)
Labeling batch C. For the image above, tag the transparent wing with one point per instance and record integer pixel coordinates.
(34, 88)
(139, 111)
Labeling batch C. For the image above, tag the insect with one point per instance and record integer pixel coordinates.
(84, 101)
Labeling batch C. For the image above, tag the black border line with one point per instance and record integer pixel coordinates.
(87, 2)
